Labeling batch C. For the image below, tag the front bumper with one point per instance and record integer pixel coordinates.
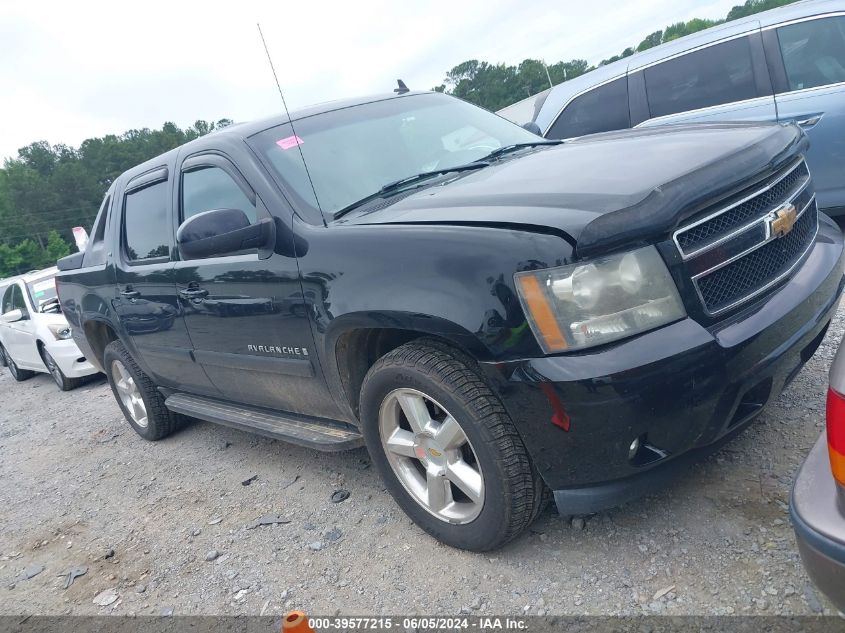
(69, 359)
(817, 508)
(682, 389)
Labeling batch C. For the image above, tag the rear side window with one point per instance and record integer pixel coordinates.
(601, 110)
(8, 299)
(95, 252)
(813, 52)
(146, 226)
(212, 188)
(99, 229)
(701, 79)
(13, 300)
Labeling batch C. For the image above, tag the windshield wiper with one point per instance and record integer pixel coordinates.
(398, 185)
(507, 149)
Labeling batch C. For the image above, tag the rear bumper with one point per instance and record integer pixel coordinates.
(817, 508)
(69, 359)
(681, 390)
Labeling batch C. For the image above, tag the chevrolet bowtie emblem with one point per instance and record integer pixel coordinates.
(783, 220)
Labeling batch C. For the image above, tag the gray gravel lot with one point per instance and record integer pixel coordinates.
(167, 527)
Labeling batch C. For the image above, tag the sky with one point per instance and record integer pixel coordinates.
(74, 70)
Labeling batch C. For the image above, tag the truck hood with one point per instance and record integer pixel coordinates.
(604, 191)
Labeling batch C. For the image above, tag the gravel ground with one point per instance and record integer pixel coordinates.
(166, 527)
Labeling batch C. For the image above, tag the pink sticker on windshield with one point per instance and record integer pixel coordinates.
(290, 141)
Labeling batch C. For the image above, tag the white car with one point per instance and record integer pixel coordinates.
(34, 335)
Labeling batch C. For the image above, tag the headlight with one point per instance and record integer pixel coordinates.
(582, 305)
(61, 332)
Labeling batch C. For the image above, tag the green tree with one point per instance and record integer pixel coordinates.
(48, 189)
(750, 7)
(57, 248)
(650, 41)
(10, 261)
(30, 255)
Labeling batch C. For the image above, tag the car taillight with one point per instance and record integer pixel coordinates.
(836, 434)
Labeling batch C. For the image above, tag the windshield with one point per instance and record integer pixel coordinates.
(41, 290)
(353, 152)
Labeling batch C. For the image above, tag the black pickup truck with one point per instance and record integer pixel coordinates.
(495, 316)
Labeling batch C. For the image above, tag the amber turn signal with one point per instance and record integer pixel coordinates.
(541, 313)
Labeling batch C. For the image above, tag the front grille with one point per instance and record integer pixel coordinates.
(713, 229)
(747, 247)
(724, 287)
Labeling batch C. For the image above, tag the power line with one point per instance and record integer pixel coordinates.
(17, 226)
(68, 209)
(35, 221)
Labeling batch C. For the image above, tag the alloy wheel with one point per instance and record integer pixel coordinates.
(129, 393)
(54, 370)
(431, 456)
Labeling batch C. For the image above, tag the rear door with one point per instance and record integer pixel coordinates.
(723, 81)
(807, 58)
(245, 312)
(145, 298)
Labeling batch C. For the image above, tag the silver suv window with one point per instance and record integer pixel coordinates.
(813, 52)
(601, 109)
(722, 73)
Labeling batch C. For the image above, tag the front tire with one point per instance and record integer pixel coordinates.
(137, 395)
(446, 448)
(63, 382)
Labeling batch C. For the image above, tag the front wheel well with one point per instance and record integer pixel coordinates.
(39, 347)
(358, 350)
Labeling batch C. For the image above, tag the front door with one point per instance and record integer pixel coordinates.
(19, 337)
(813, 57)
(245, 312)
(145, 298)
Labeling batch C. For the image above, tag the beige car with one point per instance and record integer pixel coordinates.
(818, 497)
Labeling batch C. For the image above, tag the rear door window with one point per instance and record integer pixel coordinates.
(146, 224)
(719, 74)
(602, 109)
(813, 52)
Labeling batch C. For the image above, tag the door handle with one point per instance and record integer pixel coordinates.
(193, 293)
(809, 121)
(129, 293)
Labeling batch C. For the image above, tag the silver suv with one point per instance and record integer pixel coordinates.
(785, 65)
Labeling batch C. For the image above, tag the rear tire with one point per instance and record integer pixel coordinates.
(63, 382)
(17, 373)
(137, 395)
(460, 470)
